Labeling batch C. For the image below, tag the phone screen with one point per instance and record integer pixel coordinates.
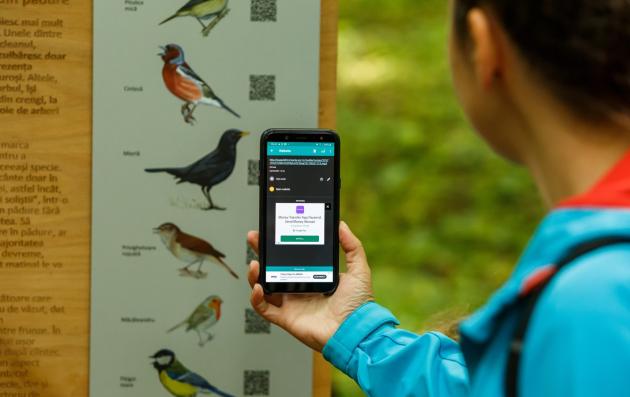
(300, 237)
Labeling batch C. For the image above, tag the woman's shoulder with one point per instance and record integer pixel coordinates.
(578, 334)
(594, 281)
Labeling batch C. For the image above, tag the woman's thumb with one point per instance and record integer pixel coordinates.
(351, 245)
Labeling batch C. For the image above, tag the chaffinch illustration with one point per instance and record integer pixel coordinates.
(186, 85)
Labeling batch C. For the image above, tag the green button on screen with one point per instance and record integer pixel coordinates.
(299, 239)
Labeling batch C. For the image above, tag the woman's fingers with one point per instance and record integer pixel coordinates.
(265, 309)
(266, 306)
(252, 240)
(252, 278)
(356, 259)
(254, 271)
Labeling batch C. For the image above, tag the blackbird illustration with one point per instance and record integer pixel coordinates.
(179, 380)
(210, 170)
(190, 249)
(203, 10)
(204, 317)
(186, 85)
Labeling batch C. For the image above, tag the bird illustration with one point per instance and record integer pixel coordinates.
(203, 10)
(211, 169)
(186, 85)
(190, 249)
(205, 316)
(179, 380)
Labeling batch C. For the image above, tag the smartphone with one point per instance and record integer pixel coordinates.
(299, 211)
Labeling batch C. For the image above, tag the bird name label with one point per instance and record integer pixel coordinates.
(133, 5)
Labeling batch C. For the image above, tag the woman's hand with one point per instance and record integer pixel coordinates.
(313, 319)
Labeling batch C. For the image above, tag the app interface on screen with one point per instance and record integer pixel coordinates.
(300, 195)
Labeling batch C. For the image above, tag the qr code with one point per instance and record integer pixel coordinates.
(264, 10)
(251, 255)
(254, 324)
(253, 172)
(262, 87)
(256, 383)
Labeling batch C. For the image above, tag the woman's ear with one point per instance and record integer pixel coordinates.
(485, 46)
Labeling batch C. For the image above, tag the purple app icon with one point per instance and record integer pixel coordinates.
(299, 209)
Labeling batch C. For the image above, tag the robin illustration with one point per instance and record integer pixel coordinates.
(186, 85)
(203, 10)
(179, 380)
(190, 249)
(211, 169)
(205, 316)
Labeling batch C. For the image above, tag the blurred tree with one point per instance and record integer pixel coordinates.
(442, 218)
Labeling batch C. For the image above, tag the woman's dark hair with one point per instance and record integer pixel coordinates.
(581, 48)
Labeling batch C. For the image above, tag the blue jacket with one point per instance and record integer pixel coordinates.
(578, 341)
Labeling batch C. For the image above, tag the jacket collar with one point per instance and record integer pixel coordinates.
(603, 210)
(611, 191)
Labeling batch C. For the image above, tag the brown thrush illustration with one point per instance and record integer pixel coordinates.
(190, 249)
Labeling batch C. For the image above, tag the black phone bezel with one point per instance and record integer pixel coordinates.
(297, 135)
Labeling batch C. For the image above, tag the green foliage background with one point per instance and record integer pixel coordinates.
(442, 218)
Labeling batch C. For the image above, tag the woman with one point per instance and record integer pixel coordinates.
(547, 84)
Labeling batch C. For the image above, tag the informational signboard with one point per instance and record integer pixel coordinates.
(180, 99)
(267, 61)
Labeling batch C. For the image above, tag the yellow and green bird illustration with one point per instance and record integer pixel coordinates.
(179, 380)
(203, 10)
